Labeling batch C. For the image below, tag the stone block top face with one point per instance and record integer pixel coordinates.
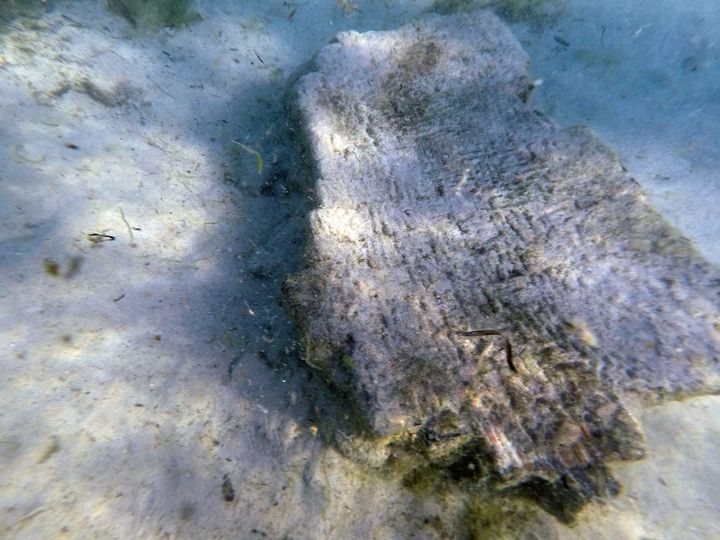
(484, 286)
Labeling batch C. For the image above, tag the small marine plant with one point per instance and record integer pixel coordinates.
(153, 14)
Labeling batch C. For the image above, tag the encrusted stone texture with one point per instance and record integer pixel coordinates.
(446, 204)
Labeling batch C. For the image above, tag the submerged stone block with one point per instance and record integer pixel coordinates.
(483, 285)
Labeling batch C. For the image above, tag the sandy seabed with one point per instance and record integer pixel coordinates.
(150, 385)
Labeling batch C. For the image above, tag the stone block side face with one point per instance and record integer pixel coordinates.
(447, 205)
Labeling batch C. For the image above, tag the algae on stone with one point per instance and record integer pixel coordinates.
(447, 206)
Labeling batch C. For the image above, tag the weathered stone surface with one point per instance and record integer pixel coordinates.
(446, 204)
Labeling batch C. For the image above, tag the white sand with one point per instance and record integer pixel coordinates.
(119, 414)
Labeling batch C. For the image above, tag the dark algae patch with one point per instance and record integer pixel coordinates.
(10, 9)
(152, 14)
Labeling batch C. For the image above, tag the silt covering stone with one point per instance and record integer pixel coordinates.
(485, 287)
